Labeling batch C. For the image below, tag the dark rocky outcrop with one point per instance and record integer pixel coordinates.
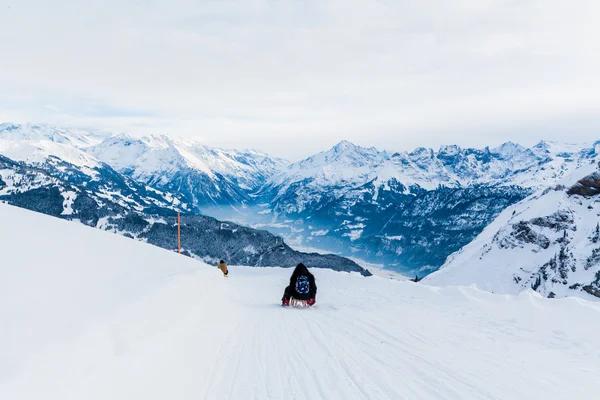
(588, 186)
(594, 287)
(559, 221)
(521, 234)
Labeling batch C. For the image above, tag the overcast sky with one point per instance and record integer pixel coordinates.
(295, 77)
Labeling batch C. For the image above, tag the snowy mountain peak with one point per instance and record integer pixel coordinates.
(420, 152)
(449, 150)
(509, 149)
(344, 155)
(163, 141)
(347, 150)
(204, 175)
(563, 150)
(515, 154)
(123, 136)
(353, 166)
(344, 145)
(44, 132)
(345, 164)
(37, 143)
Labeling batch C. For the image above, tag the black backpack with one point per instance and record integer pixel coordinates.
(302, 285)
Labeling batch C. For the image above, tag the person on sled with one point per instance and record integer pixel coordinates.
(302, 287)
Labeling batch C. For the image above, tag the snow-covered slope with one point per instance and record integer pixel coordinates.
(549, 242)
(56, 187)
(81, 322)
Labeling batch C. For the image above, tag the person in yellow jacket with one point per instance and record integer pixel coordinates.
(223, 267)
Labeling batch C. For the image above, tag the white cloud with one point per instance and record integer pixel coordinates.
(291, 77)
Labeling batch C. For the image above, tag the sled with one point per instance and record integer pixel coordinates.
(299, 303)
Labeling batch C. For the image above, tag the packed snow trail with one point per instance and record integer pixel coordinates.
(91, 315)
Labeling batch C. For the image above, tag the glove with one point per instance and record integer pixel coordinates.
(311, 302)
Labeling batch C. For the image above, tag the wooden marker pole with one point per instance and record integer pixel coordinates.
(178, 233)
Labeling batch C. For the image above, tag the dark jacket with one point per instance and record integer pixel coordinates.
(290, 291)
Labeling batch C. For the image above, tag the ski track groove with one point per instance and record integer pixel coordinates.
(298, 359)
(227, 346)
(339, 360)
(377, 333)
(322, 341)
(335, 358)
(365, 356)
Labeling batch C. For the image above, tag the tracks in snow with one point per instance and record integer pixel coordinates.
(200, 336)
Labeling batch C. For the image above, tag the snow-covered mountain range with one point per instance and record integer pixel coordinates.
(349, 166)
(199, 174)
(406, 210)
(202, 175)
(53, 172)
(549, 242)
